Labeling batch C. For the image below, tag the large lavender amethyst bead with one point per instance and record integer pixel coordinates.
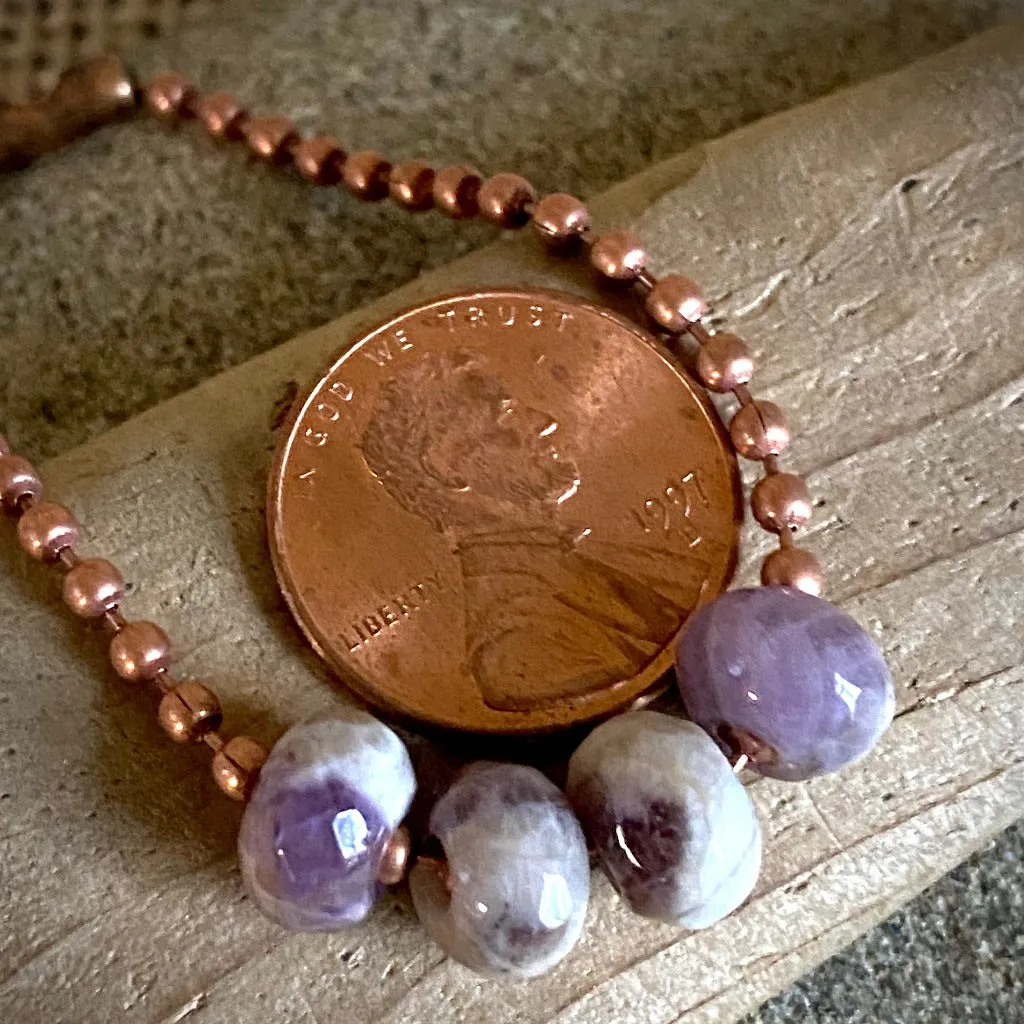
(511, 895)
(787, 678)
(671, 824)
(328, 799)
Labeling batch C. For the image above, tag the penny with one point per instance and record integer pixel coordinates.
(495, 512)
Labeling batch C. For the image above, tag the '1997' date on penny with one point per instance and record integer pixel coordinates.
(673, 510)
(389, 614)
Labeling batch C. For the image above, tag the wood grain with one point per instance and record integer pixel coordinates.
(872, 247)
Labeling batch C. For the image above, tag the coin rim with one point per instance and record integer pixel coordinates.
(652, 675)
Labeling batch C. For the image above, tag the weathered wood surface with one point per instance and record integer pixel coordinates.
(872, 245)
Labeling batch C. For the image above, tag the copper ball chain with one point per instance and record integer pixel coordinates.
(94, 589)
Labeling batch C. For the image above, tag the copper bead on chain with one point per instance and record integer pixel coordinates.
(759, 429)
(236, 765)
(560, 219)
(140, 651)
(456, 191)
(46, 529)
(19, 482)
(366, 175)
(505, 200)
(675, 302)
(724, 362)
(269, 136)
(93, 587)
(170, 96)
(411, 185)
(221, 114)
(319, 159)
(395, 862)
(781, 501)
(189, 711)
(793, 567)
(619, 256)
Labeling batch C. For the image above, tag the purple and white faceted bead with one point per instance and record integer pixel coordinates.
(787, 679)
(313, 835)
(672, 826)
(511, 894)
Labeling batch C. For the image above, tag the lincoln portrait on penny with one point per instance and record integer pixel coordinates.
(552, 611)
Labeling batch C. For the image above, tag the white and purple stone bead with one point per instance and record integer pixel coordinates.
(510, 897)
(672, 826)
(786, 678)
(327, 802)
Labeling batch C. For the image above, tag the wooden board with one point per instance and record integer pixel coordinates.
(871, 246)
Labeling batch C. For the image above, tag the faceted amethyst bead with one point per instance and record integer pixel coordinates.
(510, 897)
(328, 799)
(672, 826)
(786, 678)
